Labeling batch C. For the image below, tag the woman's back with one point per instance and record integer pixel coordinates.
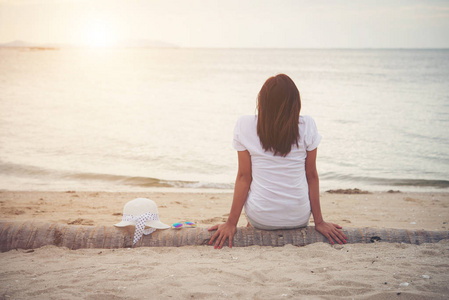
(279, 190)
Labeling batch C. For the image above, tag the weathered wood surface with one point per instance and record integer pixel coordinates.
(30, 235)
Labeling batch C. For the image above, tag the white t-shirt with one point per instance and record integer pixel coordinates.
(279, 193)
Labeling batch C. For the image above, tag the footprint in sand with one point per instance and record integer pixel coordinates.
(81, 221)
(212, 220)
(13, 211)
(408, 199)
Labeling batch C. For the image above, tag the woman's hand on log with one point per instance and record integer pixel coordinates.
(332, 232)
(224, 231)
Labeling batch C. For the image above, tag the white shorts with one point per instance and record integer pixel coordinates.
(268, 227)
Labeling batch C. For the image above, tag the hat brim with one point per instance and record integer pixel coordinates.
(124, 224)
(156, 224)
(151, 223)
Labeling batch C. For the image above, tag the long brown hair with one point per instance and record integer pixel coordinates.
(278, 105)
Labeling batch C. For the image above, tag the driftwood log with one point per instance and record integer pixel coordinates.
(30, 235)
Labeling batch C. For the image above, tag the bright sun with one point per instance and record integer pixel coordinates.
(99, 34)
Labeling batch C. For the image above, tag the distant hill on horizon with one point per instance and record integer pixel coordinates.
(130, 43)
(24, 44)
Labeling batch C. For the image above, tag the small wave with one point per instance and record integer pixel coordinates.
(418, 182)
(150, 182)
(19, 170)
(121, 179)
(201, 185)
(405, 182)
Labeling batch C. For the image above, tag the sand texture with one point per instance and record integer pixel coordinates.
(316, 271)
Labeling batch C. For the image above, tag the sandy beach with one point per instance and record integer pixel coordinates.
(317, 271)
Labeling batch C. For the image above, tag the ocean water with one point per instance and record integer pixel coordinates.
(145, 119)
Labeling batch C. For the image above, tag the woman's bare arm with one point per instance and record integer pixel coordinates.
(242, 184)
(329, 230)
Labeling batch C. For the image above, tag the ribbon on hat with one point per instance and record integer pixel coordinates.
(140, 224)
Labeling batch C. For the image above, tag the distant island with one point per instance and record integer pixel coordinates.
(130, 43)
(32, 46)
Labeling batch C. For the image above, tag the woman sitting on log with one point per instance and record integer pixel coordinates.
(277, 180)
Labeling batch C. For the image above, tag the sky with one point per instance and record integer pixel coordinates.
(230, 23)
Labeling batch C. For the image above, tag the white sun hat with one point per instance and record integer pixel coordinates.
(141, 212)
